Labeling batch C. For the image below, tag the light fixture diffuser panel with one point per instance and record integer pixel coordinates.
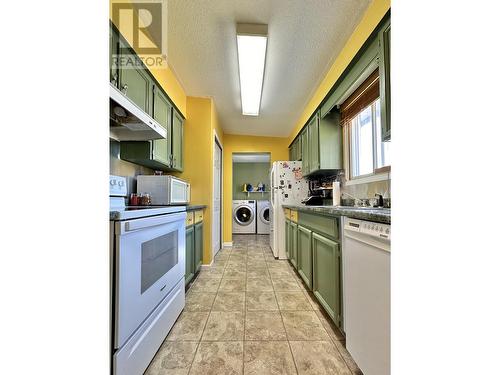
(251, 61)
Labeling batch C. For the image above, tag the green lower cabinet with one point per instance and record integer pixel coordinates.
(198, 246)
(293, 244)
(189, 254)
(327, 275)
(304, 254)
(287, 239)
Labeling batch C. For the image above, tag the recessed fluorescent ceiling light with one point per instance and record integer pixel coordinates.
(252, 44)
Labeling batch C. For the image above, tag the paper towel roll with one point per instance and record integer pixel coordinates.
(336, 193)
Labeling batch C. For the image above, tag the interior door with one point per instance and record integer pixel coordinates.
(217, 222)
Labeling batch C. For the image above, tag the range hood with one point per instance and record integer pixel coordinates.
(128, 122)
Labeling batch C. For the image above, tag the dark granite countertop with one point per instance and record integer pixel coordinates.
(193, 207)
(380, 215)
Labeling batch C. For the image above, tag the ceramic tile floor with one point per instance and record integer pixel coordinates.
(250, 314)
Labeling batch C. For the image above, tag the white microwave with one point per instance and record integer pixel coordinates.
(164, 190)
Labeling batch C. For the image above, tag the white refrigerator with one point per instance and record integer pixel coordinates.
(288, 187)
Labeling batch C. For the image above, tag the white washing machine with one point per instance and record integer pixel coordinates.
(263, 217)
(244, 217)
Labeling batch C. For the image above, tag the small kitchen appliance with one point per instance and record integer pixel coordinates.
(165, 190)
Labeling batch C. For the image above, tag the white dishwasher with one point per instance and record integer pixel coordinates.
(367, 294)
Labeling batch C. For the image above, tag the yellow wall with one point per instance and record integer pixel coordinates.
(278, 147)
(199, 130)
(370, 20)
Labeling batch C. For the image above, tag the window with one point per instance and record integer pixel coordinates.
(360, 116)
(367, 151)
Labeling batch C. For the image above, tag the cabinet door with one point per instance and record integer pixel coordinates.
(113, 55)
(162, 112)
(313, 130)
(304, 254)
(327, 275)
(384, 42)
(136, 84)
(293, 244)
(298, 149)
(177, 141)
(287, 239)
(198, 246)
(305, 151)
(189, 254)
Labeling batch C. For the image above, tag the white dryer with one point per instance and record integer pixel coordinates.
(263, 217)
(244, 217)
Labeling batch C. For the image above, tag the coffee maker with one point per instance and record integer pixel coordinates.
(320, 191)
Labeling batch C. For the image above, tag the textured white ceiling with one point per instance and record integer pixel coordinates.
(304, 38)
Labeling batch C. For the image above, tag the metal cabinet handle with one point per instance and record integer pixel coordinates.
(124, 89)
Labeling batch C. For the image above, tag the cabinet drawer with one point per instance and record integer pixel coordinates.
(287, 213)
(198, 216)
(189, 218)
(294, 216)
(326, 225)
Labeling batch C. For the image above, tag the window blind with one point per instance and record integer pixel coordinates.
(362, 97)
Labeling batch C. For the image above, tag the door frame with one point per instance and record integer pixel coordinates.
(218, 143)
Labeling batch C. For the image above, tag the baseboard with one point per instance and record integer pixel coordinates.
(227, 244)
(208, 265)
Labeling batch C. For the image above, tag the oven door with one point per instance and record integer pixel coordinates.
(149, 263)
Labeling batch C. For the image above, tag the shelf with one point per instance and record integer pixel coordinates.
(261, 192)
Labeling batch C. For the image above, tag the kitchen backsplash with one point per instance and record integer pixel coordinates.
(369, 189)
(120, 167)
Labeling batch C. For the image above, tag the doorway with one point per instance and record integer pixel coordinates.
(217, 199)
(250, 192)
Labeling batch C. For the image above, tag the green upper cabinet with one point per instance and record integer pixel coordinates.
(384, 43)
(198, 246)
(136, 83)
(162, 112)
(177, 141)
(313, 137)
(327, 275)
(322, 144)
(295, 150)
(304, 142)
(161, 154)
(304, 254)
(113, 54)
